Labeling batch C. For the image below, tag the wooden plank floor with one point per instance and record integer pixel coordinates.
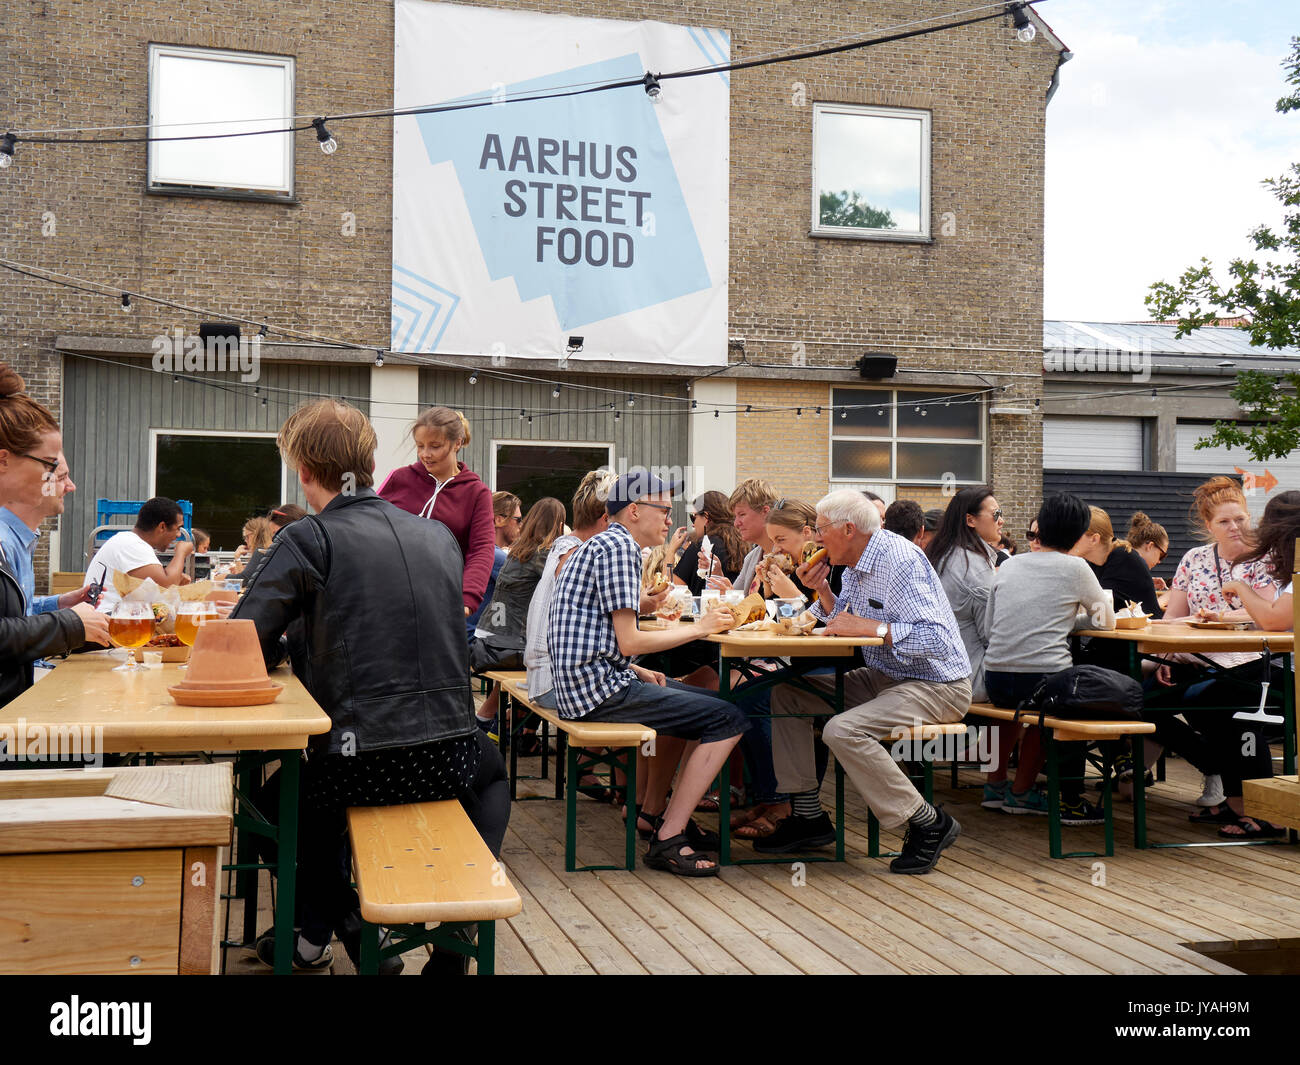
(995, 904)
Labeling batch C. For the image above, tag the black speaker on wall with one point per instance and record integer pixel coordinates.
(875, 365)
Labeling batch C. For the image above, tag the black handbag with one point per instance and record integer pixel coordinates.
(1085, 693)
(496, 652)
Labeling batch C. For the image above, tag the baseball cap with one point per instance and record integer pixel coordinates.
(630, 487)
(931, 518)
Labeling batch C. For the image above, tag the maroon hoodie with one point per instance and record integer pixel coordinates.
(463, 503)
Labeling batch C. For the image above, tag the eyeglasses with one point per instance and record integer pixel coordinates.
(1030, 534)
(50, 464)
(519, 518)
(667, 509)
(691, 515)
(1163, 553)
(996, 515)
(820, 530)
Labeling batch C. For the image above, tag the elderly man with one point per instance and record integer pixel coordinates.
(920, 674)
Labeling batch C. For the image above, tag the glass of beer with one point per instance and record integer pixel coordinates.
(188, 619)
(130, 625)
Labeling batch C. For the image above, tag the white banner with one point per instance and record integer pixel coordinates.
(601, 214)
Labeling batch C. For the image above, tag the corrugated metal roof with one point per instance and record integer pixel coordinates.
(1157, 339)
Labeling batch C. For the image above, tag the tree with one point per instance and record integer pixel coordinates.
(847, 208)
(1268, 293)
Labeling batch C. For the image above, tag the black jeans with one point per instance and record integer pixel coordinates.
(1007, 691)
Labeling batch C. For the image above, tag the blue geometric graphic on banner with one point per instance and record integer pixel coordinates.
(575, 198)
(419, 305)
(713, 50)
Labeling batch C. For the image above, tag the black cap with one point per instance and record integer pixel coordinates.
(930, 520)
(630, 487)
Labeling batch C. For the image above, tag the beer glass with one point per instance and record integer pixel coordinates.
(130, 625)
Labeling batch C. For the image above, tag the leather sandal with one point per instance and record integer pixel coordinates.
(1224, 815)
(666, 854)
(760, 827)
(1252, 828)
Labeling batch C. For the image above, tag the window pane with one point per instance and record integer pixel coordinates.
(194, 89)
(961, 421)
(859, 460)
(931, 462)
(533, 471)
(869, 171)
(228, 479)
(865, 422)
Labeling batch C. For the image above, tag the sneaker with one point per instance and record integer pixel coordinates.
(1032, 802)
(1081, 812)
(1124, 765)
(444, 962)
(264, 948)
(995, 795)
(922, 846)
(798, 834)
(349, 933)
(1211, 791)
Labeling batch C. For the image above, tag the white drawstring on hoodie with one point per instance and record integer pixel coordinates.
(426, 511)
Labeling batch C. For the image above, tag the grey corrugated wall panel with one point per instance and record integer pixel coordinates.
(639, 437)
(110, 406)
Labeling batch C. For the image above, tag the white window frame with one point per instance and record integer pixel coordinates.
(492, 464)
(158, 52)
(890, 396)
(911, 114)
(154, 434)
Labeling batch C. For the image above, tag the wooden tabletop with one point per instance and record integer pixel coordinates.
(136, 713)
(769, 645)
(1179, 636)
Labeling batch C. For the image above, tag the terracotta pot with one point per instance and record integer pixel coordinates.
(226, 657)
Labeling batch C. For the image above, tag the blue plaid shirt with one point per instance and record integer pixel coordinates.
(894, 582)
(602, 576)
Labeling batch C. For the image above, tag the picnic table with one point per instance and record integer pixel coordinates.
(130, 713)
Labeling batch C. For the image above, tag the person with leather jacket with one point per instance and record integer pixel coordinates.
(371, 599)
(30, 443)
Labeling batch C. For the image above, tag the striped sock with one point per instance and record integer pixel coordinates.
(806, 804)
(925, 816)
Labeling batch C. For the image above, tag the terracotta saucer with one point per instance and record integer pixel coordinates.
(246, 697)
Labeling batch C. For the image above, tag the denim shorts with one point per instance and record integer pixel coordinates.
(674, 710)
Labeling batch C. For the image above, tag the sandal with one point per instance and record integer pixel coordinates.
(1224, 815)
(700, 839)
(666, 854)
(710, 804)
(1251, 828)
(594, 787)
(759, 828)
(652, 820)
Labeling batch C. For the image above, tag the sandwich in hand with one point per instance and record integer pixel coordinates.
(813, 553)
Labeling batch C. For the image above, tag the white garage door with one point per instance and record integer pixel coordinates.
(1228, 461)
(1092, 443)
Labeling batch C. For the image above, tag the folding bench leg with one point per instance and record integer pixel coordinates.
(570, 803)
(486, 954)
(1053, 796)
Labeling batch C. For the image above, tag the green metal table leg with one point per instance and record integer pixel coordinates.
(1053, 796)
(1139, 794)
(286, 861)
(487, 948)
(631, 807)
(571, 807)
(246, 879)
(873, 835)
(724, 813)
(1288, 713)
(1108, 803)
(369, 950)
(839, 811)
(928, 771)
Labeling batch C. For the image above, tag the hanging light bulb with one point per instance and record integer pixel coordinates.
(263, 401)
(379, 358)
(555, 392)
(798, 412)
(924, 412)
(844, 413)
(631, 400)
(618, 415)
(473, 378)
(6, 151)
(521, 414)
(748, 407)
(715, 412)
(324, 138)
(1025, 31)
(126, 303)
(818, 412)
(652, 88)
(694, 404)
(530, 419)
(262, 332)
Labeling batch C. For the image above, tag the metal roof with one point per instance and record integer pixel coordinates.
(1158, 339)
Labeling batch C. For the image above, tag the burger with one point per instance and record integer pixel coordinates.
(813, 553)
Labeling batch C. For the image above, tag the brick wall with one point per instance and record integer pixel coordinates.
(970, 300)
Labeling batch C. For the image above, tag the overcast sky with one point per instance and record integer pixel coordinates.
(1157, 140)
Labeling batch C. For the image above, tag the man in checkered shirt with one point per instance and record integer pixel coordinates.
(919, 674)
(592, 636)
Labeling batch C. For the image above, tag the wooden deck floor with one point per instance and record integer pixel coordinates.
(995, 904)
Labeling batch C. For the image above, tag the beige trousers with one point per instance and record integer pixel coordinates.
(876, 705)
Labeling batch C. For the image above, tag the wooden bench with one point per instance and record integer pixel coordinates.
(62, 581)
(1068, 730)
(425, 862)
(919, 733)
(623, 740)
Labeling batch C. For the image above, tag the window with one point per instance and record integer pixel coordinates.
(917, 437)
(201, 91)
(871, 172)
(533, 471)
(229, 478)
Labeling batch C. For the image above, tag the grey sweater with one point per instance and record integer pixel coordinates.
(1033, 608)
(967, 579)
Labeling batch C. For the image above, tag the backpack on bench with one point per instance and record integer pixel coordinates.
(1085, 693)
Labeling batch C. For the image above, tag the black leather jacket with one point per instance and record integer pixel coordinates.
(23, 640)
(371, 597)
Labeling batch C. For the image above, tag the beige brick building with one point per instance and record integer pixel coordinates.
(959, 308)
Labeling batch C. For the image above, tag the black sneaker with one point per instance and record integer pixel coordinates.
(922, 846)
(264, 948)
(798, 834)
(349, 933)
(1081, 812)
(448, 962)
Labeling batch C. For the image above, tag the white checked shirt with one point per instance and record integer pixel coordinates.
(602, 576)
(894, 582)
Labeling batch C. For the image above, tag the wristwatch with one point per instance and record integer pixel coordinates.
(882, 630)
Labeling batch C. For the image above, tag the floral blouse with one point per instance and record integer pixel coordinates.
(1204, 587)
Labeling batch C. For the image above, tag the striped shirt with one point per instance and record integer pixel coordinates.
(600, 577)
(892, 581)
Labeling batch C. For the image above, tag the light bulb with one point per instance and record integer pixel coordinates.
(379, 358)
(631, 400)
(324, 138)
(652, 89)
(6, 151)
(126, 303)
(1026, 33)
(555, 392)
(473, 378)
